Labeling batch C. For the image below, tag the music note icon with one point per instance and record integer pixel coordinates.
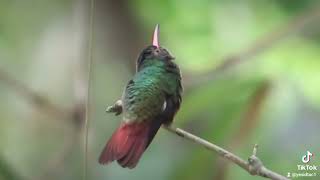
(306, 158)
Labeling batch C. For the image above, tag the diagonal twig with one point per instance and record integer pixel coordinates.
(34, 97)
(248, 122)
(254, 165)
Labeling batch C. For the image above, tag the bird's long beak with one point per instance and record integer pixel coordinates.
(155, 38)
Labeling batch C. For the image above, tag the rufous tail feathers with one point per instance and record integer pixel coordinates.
(128, 143)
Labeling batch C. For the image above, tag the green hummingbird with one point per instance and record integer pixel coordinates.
(151, 98)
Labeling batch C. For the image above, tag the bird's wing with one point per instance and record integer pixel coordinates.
(173, 90)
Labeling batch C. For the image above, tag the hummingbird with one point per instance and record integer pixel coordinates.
(150, 99)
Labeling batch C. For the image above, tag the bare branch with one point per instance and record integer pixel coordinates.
(248, 122)
(254, 165)
(250, 117)
(33, 97)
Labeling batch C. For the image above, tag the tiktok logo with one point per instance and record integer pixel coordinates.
(306, 158)
(305, 170)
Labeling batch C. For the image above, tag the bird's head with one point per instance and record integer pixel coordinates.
(154, 52)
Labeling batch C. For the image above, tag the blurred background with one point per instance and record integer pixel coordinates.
(251, 75)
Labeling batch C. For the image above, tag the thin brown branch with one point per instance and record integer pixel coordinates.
(33, 97)
(76, 115)
(248, 122)
(254, 165)
(89, 61)
(80, 88)
(250, 117)
(308, 17)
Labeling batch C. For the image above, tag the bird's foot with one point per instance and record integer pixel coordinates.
(116, 108)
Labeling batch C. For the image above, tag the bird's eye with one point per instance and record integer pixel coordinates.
(147, 53)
